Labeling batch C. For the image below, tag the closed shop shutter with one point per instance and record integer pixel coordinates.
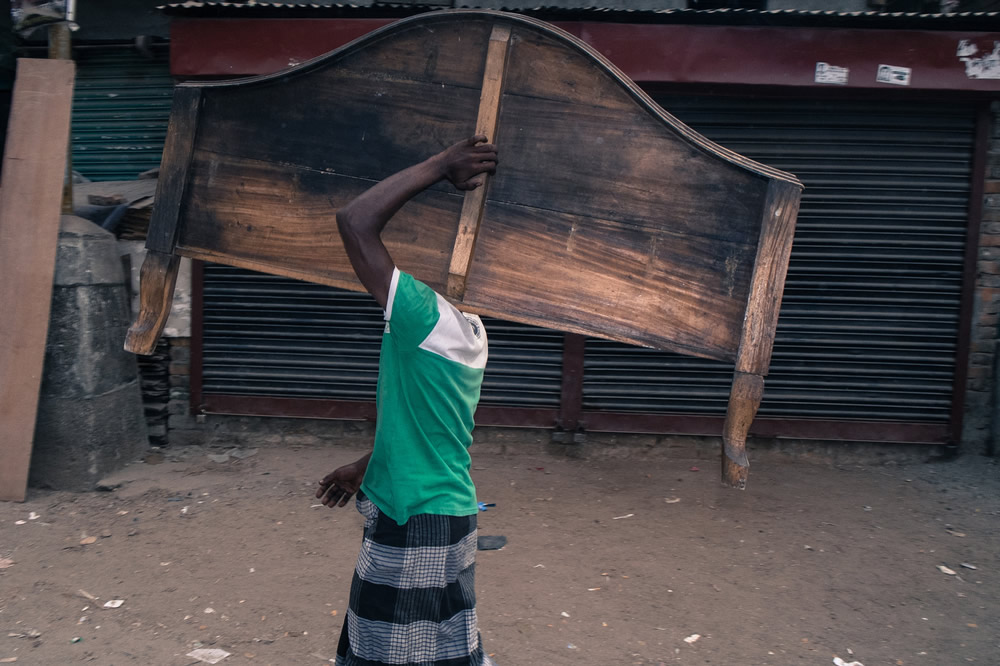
(870, 316)
(869, 320)
(121, 105)
(271, 336)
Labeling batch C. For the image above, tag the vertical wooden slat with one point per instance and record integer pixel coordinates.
(30, 203)
(753, 357)
(159, 270)
(486, 124)
(177, 152)
(781, 208)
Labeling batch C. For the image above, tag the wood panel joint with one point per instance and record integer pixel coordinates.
(486, 125)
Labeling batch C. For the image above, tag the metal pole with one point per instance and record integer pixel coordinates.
(60, 47)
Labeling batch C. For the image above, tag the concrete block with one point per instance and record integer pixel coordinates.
(90, 417)
(178, 407)
(180, 393)
(990, 267)
(987, 320)
(78, 441)
(182, 422)
(988, 281)
(84, 354)
(987, 253)
(87, 255)
(180, 369)
(183, 354)
(981, 359)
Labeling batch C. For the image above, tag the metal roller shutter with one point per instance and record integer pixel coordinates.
(121, 105)
(870, 315)
(271, 336)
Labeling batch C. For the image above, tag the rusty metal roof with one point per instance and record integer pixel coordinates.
(977, 21)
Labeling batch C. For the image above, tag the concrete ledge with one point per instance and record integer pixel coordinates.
(224, 430)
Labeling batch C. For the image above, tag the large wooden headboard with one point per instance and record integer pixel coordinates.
(607, 216)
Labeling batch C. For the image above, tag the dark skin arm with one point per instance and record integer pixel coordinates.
(361, 222)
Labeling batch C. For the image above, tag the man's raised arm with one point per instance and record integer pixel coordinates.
(361, 221)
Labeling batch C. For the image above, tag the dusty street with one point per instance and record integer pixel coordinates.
(626, 561)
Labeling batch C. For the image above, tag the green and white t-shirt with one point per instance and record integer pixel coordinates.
(430, 374)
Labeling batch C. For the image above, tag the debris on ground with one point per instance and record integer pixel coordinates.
(208, 655)
(840, 662)
(491, 542)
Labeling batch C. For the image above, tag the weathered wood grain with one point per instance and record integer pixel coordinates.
(365, 112)
(30, 202)
(542, 67)
(181, 132)
(744, 400)
(630, 282)
(353, 124)
(768, 283)
(606, 217)
(554, 65)
(614, 164)
(157, 279)
(287, 226)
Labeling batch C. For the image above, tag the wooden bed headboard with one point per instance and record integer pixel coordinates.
(607, 216)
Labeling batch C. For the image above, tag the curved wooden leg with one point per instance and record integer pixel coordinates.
(156, 293)
(744, 399)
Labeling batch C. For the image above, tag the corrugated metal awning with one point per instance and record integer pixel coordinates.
(978, 21)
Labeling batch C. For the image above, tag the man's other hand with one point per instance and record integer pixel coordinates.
(339, 486)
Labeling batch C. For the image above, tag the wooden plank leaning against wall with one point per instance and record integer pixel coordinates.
(30, 202)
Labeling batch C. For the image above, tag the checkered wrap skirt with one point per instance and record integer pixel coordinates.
(413, 596)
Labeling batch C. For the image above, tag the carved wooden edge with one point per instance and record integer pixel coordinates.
(156, 291)
(573, 42)
(774, 247)
(486, 124)
(159, 270)
(753, 357)
(744, 399)
(177, 153)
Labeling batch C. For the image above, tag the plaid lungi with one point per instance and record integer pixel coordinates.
(413, 596)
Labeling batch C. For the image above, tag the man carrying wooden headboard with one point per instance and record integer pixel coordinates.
(413, 591)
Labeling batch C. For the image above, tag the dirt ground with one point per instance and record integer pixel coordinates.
(626, 561)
